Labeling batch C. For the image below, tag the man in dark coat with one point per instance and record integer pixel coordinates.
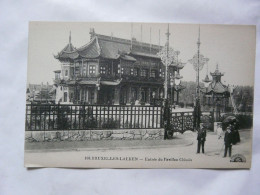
(228, 139)
(201, 139)
(234, 129)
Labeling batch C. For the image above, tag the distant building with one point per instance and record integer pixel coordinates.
(216, 95)
(110, 70)
(40, 93)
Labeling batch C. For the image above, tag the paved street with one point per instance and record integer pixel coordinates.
(179, 152)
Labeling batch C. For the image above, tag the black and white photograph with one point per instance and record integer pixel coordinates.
(139, 95)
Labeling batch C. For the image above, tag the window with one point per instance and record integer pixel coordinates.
(161, 73)
(102, 70)
(66, 73)
(71, 97)
(153, 73)
(92, 69)
(135, 72)
(65, 96)
(131, 71)
(57, 75)
(109, 70)
(118, 68)
(144, 73)
(84, 72)
(122, 70)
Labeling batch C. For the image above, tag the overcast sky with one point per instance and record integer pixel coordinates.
(232, 47)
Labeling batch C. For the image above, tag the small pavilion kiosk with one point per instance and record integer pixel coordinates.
(215, 95)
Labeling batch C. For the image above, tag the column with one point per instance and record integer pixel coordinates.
(130, 95)
(149, 98)
(139, 95)
(117, 95)
(177, 97)
(157, 94)
(95, 95)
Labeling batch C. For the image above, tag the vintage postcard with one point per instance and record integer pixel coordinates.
(139, 95)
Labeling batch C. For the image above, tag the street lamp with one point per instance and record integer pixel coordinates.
(198, 62)
(167, 55)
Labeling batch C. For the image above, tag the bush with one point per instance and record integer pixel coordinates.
(245, 121)
(110, 124)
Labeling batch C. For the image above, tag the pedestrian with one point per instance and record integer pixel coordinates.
(201, 139)
(236, 136)
(228, 139)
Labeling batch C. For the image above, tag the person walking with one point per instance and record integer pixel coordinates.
(201, 139)
(228, 141)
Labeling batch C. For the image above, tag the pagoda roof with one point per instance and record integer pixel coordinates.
(127, 57)
(90, 50)
(69, 51)
(110, 48)
(217, 72)
(215, 87)
(149, 55)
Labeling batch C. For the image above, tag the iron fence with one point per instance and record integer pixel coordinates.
(84, 117)
(181, 121)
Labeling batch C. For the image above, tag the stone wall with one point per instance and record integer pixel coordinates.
(84, 135)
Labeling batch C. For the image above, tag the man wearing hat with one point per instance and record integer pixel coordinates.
(201, 138)
(228, 141)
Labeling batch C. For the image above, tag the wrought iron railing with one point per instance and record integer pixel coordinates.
(181, 121)
(86, 117)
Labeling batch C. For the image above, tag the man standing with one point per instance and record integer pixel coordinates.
(228, 141)
(201, 139)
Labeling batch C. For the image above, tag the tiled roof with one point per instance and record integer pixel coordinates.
(69, 51)
(128, 58)
(145, 54)
(111, 49)
(90, 50)
(216, 87)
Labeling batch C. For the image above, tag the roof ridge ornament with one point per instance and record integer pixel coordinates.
(70, 38)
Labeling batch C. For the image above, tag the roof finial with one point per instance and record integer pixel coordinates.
(199, 37)
(159, 38)
(150, 39)
(217, 66)
(141, 32)
(70, 38)
(131, 36)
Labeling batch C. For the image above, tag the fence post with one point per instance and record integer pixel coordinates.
(58, 116)
(182, 121)
(131, 117)
(84, 116)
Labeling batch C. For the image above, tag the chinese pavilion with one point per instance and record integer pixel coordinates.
(216, 94)
(110, 70)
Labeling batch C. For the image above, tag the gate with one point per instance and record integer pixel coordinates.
(181, 121)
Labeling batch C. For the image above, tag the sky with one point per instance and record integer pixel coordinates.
(232, 47)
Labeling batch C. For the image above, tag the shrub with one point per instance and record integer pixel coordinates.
(110, 124)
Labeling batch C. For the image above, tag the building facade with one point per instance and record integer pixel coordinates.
(110, 70)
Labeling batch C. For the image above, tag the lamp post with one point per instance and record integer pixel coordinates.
(167, 55)
(198, 62)
(172, 85)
